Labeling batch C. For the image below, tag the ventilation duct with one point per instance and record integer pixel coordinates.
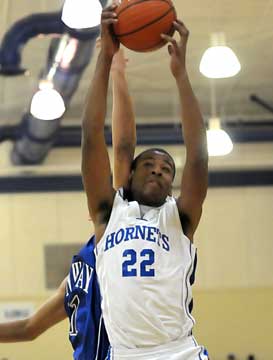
(29, 27)
(36, 137)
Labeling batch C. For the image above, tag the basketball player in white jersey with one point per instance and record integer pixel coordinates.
(145, 252)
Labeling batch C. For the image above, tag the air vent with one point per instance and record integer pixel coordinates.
(57, 262)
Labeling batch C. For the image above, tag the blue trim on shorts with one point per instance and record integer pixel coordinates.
(204, 352)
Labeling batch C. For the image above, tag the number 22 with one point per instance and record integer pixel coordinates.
(148, 256)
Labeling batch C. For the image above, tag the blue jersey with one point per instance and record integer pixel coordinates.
(83, 306)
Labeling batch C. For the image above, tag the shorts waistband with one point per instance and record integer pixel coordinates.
(175, 345)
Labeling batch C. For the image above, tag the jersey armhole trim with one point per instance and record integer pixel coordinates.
(119, 193)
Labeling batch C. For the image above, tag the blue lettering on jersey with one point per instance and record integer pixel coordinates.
(142, 232)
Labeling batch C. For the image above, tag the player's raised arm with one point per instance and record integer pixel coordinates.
(194, 179)
(49, 314)
(95, 161)
(123, 122)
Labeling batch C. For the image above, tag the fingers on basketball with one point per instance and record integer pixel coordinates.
(108, 17)
(172, 43)
(181, 28)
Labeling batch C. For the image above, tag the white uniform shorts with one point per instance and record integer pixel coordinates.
(182, 349)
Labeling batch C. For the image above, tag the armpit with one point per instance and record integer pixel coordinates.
(185, 223)
(104, 209)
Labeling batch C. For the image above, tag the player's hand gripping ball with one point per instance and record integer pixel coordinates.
(140, 23)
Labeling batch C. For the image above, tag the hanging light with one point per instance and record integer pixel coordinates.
(81, 14)
(47, 103)
(219, 61)
(219, 142)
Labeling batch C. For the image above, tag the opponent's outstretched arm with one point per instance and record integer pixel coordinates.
(195, 174)
(49, 314)
(95, 160)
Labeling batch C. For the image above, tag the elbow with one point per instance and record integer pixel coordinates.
(32, 336)
(125, 149)
(30, 333)
(202, 153)
(200, 158)
(90, 137)
(91, 127)
(199, 161)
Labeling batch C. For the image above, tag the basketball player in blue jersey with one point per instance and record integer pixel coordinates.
(78, 296)
(145, 254)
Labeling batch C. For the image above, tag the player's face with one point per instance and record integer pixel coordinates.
(151, 181)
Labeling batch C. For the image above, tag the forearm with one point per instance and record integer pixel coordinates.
(95, 108)
(50, 313)
(15, 331)
(124, 133)
(123, 129)
(123, 113)
(194, 131)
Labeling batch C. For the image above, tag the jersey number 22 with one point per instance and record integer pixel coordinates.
(147, 258)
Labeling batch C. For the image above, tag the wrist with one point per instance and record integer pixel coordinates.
(181, 77)
(118, 72)
(106, 56)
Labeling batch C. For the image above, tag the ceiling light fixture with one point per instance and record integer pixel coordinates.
(219, 61)
(47, 103)
(219, 142)
(81, 14)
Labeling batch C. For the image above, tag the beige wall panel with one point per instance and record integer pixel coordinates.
(259, 238)
(35, 224)
(7, 266)
(73, 218)
(235, 321)
(31, 221)
(220, 240)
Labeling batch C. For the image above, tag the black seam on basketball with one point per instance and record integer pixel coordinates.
(139, 2)
(146, 25)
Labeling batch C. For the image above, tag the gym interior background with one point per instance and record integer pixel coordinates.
(43, 211)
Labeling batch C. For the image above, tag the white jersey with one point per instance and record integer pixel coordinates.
(144, 264)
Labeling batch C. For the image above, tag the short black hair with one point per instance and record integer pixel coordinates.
(135, 161)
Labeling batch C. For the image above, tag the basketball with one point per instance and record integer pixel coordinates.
(140, 23)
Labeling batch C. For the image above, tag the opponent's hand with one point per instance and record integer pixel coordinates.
(119, 62)
(108, 42)
(177, 49)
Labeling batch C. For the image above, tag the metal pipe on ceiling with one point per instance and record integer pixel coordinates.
(35, 137)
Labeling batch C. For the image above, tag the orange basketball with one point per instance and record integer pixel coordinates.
(140, 23)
